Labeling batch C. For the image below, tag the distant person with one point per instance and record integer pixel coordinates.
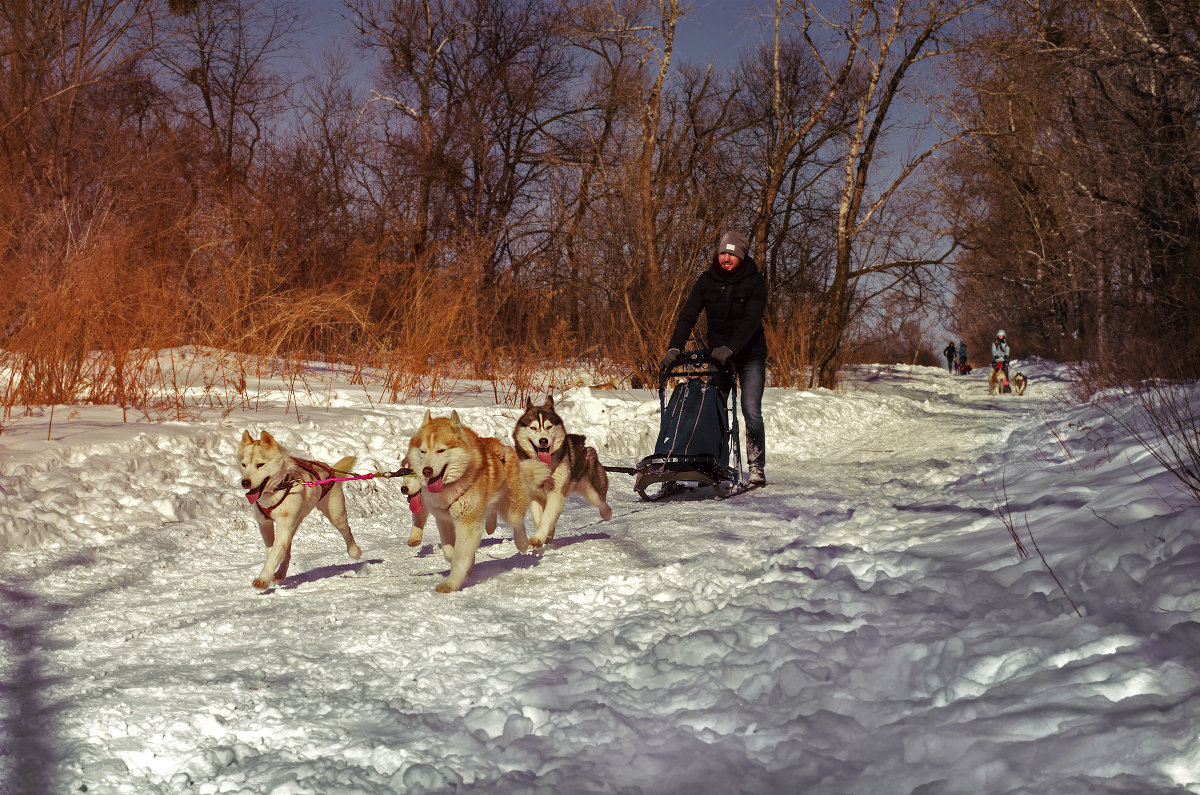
(950, 352)
(732, 293)
(1000, 351)
(963, 368)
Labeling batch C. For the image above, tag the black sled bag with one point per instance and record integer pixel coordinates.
(693, 424)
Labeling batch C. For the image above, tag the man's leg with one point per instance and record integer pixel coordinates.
(753, 377)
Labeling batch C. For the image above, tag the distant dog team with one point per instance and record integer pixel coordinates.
(998, 384)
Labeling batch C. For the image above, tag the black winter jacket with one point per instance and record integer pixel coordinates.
(734, 303)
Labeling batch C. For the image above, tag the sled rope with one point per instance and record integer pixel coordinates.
(402, 472)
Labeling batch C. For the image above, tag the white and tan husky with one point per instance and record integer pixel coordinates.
(410, 487)
(574, 467)
(275, 485)
(466, 482)
(998, 381)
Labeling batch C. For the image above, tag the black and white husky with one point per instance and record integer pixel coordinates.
(574, 467)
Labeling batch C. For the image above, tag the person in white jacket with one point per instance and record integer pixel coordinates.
(1000, 351)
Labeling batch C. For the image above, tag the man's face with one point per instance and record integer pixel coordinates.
(727, 261)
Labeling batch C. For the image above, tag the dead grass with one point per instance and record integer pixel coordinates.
(1003, 511)
(95, 331)
(1165, 415)
(790, 342)
(103, 320)
(1165, 420)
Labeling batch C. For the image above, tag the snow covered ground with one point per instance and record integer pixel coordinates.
(862, 625)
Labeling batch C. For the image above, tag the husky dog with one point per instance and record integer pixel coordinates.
(275, 485)
(466, 482)
(410, 487)
(1019, 382)
(997, 381)
(574, 467)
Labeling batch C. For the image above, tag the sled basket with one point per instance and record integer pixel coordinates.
(695, 436)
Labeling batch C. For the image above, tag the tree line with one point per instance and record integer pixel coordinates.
(1076, 197)
(479, 184)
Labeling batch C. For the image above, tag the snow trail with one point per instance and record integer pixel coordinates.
(862, 624)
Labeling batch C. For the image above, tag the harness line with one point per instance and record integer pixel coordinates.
(402, 472)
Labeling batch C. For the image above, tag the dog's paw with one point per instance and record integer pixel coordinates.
(606, 513)
(444, 587)
(261, 584)
(354, 551)
(414, 540)
(536, 543)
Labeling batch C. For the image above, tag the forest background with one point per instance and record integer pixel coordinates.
(494, 188)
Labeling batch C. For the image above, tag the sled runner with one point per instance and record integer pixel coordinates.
(698, 433)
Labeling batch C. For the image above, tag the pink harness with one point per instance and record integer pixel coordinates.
(314, 468)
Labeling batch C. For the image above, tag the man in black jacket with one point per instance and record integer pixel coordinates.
(733, 294)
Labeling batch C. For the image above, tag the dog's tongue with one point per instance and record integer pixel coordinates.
(543, 457)
(414, 503)
(253, 496)
(435, 486)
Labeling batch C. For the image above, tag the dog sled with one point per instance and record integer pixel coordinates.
(698, 433)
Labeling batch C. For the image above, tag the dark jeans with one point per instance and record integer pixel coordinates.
(752, 379)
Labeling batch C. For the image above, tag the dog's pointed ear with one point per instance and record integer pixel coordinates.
(549, 401)
(247, 438)
(455, 422)
(428, 417)
(528, 403)
(268, 440)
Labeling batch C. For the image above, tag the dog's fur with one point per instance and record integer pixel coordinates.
(574, 467)
(466, 482)
(997, 383)
(410, 487)
(1019, 382)
(274, 483)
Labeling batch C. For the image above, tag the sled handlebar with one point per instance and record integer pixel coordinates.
(701, 362)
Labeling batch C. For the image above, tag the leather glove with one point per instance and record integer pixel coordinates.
(721, 355)
(669, 359)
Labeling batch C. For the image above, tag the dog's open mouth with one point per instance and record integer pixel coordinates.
(544, 455)
(254, 494)
(435, 485)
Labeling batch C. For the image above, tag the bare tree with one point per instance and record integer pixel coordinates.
(468, 104)
(221, 58)
(1084, 212)
(890, 40)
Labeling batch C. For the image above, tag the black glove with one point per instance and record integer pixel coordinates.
(721, 355)
(669, 359)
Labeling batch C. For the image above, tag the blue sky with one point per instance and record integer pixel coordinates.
(712, 32)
